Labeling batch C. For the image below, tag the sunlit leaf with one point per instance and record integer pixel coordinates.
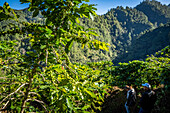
(90, 93)
(69, 103)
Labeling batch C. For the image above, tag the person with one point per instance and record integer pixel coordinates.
(131, 98)
(147, 100)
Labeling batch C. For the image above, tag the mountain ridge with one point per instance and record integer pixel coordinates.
(142, 46)
(119, 27)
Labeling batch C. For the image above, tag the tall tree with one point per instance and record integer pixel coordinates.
(44, 79)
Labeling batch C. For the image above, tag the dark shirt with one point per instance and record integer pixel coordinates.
(147, 101)
(131, 98)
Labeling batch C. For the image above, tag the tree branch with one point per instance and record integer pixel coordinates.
(13, 92)
(41, 102)
(46, 57)
(28, 88)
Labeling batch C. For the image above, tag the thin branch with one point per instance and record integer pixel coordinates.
(55, 53)
(33, 93)
(4, 83)
(71, 70)
(5, 104)
(46, 57)
(4, 108)
(28, 88)
(42, 76)
(41, 102)
(13, 92)
(8, 78)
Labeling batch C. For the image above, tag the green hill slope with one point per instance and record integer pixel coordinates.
(155, 10)
(146, 44)
(119, 27)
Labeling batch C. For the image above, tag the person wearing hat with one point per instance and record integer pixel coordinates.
(147, 100)
(131, 98)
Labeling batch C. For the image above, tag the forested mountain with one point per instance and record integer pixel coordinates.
(126, 30)
(148, 43)
(120, 27)
(117, 27)
(155, 11)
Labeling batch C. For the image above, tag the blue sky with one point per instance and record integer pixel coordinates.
(102, 5)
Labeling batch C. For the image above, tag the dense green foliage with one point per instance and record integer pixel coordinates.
(156, 12)
(120, 27)
(155, 70)
(38, 48)
(44, 79)
(149, 42)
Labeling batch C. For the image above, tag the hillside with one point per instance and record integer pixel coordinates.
(36, 74)
(155, 10)
(146, 44)
(119, 27)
